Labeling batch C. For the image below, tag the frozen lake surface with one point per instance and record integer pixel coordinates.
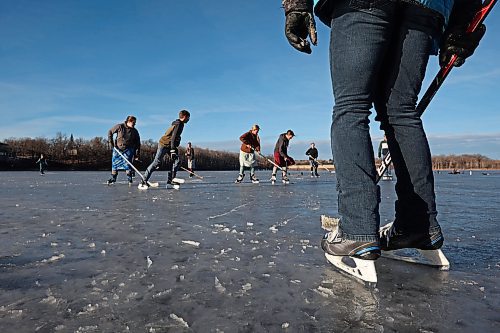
(79, 256)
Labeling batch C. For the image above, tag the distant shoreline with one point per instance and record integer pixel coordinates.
(302, 167)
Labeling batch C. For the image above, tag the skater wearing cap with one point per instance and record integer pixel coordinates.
(312, 152)
(128, 142)
(379, 52)
(281, 157)
(168, 143)
(250, 144)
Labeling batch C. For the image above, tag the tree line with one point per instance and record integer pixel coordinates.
(68, 153)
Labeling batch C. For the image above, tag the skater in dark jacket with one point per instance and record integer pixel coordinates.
(42, 161)
(168, 143)
(312, 152)
(250, 144)
(128, 142)
(379, 50)
(281, 157)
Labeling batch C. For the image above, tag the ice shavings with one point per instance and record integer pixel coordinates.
(179, 320)
(190, 242)
(219, 287)
(54, 258)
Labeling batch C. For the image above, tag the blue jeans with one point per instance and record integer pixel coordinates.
(160, 152)
(378, 55)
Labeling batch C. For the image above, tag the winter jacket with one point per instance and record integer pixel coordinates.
(282, 145)
(126, 137)
(323, 8)
(172, 137)
(312, 153)
(190, 153)
(249, 139)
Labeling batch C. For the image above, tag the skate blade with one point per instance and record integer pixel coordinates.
(363, 270)
(329, 223)
(435, 258)
(179, 180)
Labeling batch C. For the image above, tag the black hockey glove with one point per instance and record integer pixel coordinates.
(173, 154)
(300, 24)
(461, 43)
(456, 40)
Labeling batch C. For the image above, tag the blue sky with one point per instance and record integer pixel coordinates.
(79, 67)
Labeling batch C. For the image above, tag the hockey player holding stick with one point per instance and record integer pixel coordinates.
(250, 145)
(128, 142)
(168, 143)
(379, 51)
(281, 158)
(312, 152)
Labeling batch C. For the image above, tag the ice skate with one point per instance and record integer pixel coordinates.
(356, 258)
(178, 180)
(273, 179)
(143, 185)
(423, 248)
(172, 184)
(239, 179)
(254, 179)
(111, 180)
(285, 180)
(130, 179)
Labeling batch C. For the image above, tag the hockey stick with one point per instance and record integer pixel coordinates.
(321, 165)
(276, 165)
(440, 77)
(191, 172)
(133, 167)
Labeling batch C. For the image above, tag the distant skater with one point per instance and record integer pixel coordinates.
(383, 150)
(281, 157)
(190, 159)
(168, 143)
(42, 161)
(312, 152)
(250, 144)
(128, 142)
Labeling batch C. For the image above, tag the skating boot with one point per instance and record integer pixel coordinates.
(112, 180)
(240, 178)
(427, 246)
(273, 178)
(254, 179)
(356, 258)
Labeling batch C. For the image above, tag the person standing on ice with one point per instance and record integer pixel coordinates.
(42, 161)
(379, 51)
(128, 142)
(250, 144)
(383, 150)
(312, 152)
(281, 157)
(190, 159)
(168, 143)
